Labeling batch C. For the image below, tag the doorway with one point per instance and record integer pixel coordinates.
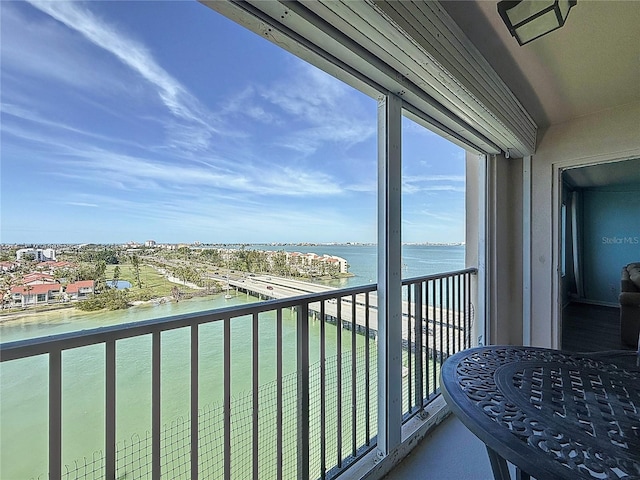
(599, 234)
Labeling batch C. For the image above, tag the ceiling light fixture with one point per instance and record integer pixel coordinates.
(531, 19)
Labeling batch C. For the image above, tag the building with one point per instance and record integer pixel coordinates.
(80, 290)
(544, 123)
(37, 254)
(37, 278)
(35, 294)
(7, 266)
(150, 243)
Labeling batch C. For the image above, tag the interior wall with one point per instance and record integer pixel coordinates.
(611, 239)
(604, 136)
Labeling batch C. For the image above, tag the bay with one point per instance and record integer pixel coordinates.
(23, 384)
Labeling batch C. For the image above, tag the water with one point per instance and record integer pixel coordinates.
(23, 384)
(417, 260)
(119, 284)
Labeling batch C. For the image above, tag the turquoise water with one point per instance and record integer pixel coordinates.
(417, 260)
(119, 284)
(23, 384)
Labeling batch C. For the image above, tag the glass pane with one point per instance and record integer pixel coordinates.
(433, 202)
(541, 25)
(564, 9)
(527, 9)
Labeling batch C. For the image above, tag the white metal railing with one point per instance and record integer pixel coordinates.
(329, 406)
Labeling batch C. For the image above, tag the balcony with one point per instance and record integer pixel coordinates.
(311, 404)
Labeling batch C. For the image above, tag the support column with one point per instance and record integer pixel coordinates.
(526, 250)
(389, 274)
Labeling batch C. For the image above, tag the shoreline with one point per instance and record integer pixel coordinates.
(73, 310)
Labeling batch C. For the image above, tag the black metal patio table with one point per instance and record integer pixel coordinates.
(552, 414)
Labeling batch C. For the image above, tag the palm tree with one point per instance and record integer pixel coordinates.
(135, 263)
(116, 276)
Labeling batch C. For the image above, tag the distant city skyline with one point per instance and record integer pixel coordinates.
(164, 120)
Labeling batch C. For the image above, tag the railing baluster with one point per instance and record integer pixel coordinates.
(454, 317)
(367, 370)
(55, 414)
(279, 455)
(417, 334)
(339, 380)
(323, 398)
(255, 338)
(155, 405)
(468, 309)
(447, 284)
(354, 446)
(459, 311)
(437, 332)
(427, 353)
(441, 292)
(409, 359)
(227, 398)
(303, 391)
(194, 401)
(110, 410)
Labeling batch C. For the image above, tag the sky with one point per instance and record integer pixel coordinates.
(133, 121)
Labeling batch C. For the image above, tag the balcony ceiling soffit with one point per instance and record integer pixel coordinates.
(590, 64)
(360, 44)
(439, 50)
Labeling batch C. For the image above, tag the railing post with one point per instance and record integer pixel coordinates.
(389, 274)
(55, 414)
(194, 401)
(110, 410)
(156, 390)
(302, 338)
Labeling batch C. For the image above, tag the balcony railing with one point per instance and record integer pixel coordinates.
(310, 411)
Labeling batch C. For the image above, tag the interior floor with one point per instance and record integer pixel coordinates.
(591, 328)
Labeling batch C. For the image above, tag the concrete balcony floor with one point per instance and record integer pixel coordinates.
(450, 452)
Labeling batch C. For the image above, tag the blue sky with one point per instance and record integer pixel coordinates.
(164, 120)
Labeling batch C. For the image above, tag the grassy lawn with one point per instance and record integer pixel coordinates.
(154, 285)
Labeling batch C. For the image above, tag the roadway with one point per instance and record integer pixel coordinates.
(273, 287)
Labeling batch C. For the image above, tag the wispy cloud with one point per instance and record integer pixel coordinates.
(312, 107)
(82, 204)
(196, 125)
(325, 105)
(37, 122)
(89, 165)
(46, 50)
(433, 183)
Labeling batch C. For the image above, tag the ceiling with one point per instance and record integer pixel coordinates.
(590, 64)
(605, 175)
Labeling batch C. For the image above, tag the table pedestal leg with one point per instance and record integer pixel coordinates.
(501, 470)
(498, 466)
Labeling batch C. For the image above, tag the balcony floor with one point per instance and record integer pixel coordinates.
(451, 452)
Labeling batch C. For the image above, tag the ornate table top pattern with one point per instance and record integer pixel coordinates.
(553, 414)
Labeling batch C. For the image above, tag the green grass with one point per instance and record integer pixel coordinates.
(154, 285)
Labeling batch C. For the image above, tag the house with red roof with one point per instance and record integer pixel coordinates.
(51, 266)
(7, 266)
(80, 290)
(37, 278)
(38, 294)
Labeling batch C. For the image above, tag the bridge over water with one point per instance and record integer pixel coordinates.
(449, 317)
